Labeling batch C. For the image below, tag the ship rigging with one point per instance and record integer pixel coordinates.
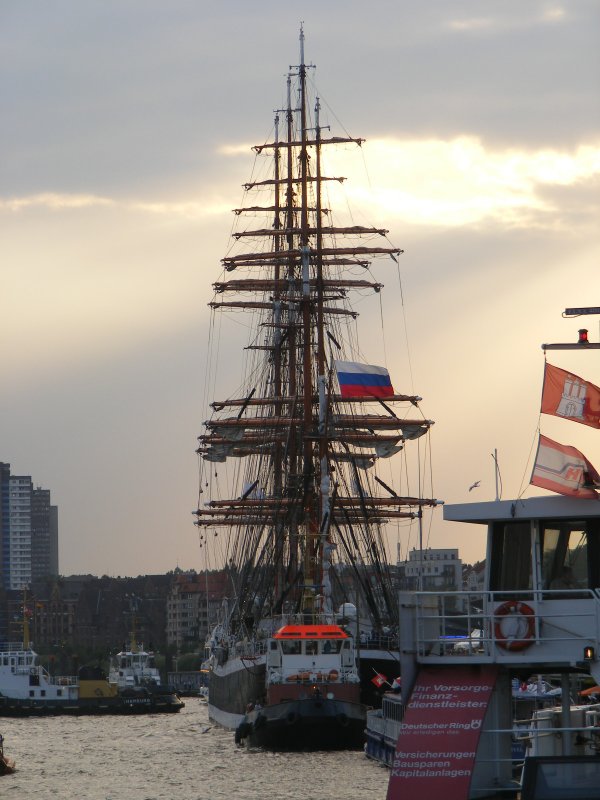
(307, 504)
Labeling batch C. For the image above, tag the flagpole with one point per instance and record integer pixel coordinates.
(420, 576)
(495, 457)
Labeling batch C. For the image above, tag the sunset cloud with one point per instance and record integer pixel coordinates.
(185, 209)
(458, 182)
(53, 201)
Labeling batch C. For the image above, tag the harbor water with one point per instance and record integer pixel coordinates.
(170, 757)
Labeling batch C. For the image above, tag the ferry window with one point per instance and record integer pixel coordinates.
(565, 556)
(312, 647)
(510, 567)
(290, 648)
(332, 645)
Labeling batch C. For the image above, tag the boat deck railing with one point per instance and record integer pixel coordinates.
(63, 680)
(11, 648)
(547, 625)
(557, 740)
(386, 642)
(41, 672)
(380, 725)
(253, 648)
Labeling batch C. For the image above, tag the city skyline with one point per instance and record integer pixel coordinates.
(126, 140)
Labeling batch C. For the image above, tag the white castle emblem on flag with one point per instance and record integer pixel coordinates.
(572, 401)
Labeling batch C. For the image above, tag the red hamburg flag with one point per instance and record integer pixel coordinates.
(568, 396)
(379, 679)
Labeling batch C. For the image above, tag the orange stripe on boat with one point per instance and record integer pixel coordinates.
(311, 632)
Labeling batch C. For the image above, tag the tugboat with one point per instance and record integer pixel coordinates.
(539, 614)
(137, 680)
(28, 689)
(311, 692)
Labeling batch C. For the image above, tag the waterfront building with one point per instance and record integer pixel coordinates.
(193, 607)
(432, 569)
(20, 489)
(28, 531)
(44, 535)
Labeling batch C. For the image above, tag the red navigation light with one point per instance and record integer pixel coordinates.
(589, 653)
(583, 336)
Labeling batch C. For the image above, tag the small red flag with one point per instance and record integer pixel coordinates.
(564, 469)
(379, 679)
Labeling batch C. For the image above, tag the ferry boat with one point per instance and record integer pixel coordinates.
(539, 614)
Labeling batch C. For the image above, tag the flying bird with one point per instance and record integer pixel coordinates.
(474, 485)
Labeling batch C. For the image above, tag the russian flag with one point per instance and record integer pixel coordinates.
(359, 380)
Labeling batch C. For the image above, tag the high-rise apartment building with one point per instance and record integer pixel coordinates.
(20, 489)
(44, 535)
(28, 531)
(4, 524)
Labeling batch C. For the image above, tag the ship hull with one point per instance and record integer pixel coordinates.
(134, 704)
(309, 724)
(232, 687)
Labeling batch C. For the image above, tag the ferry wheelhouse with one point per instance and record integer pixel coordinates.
(539, 614)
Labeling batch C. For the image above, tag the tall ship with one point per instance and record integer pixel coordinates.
(296, 478)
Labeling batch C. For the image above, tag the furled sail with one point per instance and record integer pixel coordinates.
(290, 464)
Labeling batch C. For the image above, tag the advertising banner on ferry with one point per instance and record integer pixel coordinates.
(436, 749)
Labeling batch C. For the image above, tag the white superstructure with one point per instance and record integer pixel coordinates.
(133, 667)
(22, 678)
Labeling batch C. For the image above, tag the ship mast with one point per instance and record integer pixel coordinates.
(304, 451)
(311, 548)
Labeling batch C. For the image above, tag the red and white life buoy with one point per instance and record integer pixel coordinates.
(514, 626)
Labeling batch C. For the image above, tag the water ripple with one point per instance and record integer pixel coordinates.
(170, 757)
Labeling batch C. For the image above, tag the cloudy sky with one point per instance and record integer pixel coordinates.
(125, 135)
